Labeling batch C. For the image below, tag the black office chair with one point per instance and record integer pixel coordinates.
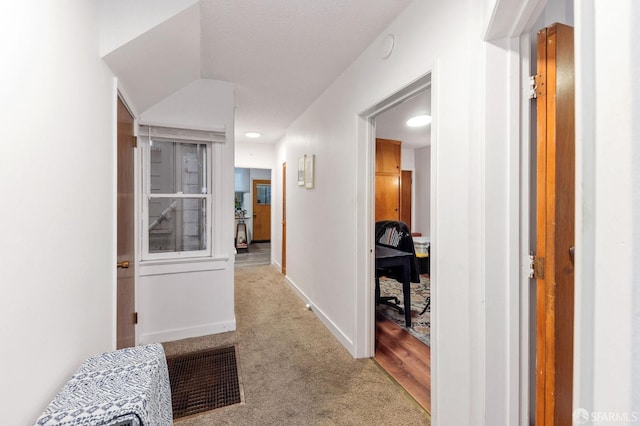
(395, 234)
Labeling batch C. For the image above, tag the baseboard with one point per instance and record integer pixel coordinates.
(185, 333)
(333, 328)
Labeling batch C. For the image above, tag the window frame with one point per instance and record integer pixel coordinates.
(147, 195)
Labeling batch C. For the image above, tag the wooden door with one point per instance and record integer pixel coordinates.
(406, 182)
(388, 156)
(284, 218)
(126, 317)
(388, 159)
(387, 197)
(261, 210)
(555, 225)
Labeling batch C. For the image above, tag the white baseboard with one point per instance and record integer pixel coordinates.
(185, 333)
(333, 328)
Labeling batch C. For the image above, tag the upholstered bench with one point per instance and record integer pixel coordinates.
(125, 387)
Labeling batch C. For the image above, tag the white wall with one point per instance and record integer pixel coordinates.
(176, 300)
(407, 157)
(57, 179)
(259, 174)
(123, 20)
(255, 155)
(202, 104)
(440, 38)
(607, 335)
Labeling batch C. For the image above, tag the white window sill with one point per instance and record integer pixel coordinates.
(179, 266)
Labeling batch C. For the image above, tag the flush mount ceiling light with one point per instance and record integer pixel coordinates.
(419, 121)
(252, 134)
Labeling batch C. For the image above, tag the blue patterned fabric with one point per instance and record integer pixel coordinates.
(125, 387)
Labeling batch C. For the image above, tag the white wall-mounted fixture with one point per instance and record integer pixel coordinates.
(253, 135)
(387, 45)
(419, 121)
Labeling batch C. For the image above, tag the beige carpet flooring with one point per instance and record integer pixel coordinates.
(293, 371)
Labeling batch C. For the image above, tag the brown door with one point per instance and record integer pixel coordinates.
(388, 159)
(555, 225)
(261, 210)
(388, 156)
(406, 180)
(387, 197)
(284, 218)
(126, 262)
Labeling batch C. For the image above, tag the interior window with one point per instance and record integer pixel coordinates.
(263, 195)
(177, 201)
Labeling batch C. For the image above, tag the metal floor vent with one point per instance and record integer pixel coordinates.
(203, 381)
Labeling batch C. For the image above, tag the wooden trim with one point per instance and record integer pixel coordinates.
(284, 219)
(541, 185)
(555, 225)
(406, 196)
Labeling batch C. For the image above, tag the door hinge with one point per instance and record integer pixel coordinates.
(536, 267)
(135, 317)
(537, 86)
(532, 87)
(135, 141)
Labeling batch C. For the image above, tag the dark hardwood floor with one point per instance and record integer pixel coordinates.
(406, 359)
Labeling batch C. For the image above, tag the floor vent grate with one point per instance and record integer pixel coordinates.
(203, 381)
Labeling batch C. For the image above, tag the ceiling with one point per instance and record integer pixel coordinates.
(280, 54)
(392, 124)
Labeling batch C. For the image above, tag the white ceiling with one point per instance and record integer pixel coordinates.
(392, 124)
(160, 61)
(280, 54)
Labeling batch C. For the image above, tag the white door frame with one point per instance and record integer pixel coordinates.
(365, 322)
(511, 25)
(507, 30)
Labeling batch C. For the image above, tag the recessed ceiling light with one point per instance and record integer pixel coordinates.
(252, 134)
(419, 121)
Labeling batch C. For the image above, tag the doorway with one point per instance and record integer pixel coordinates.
(262, 210)
(253, 203)
(125, 301)
(404, 351)
(284, 219)
(555, 227)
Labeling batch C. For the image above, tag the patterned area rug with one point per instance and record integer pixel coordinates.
(420, 324)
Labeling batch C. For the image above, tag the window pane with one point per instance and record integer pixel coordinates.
(177, 224)
(264, 193)
(178, 167)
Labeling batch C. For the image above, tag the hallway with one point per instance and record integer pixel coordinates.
(293, 371)
(258, 254)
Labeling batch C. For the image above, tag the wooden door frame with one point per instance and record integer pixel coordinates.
(555, 225)
(132, 259)
(283, 259)
(254, 184)
(406, 180)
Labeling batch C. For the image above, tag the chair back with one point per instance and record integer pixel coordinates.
(397, 235)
